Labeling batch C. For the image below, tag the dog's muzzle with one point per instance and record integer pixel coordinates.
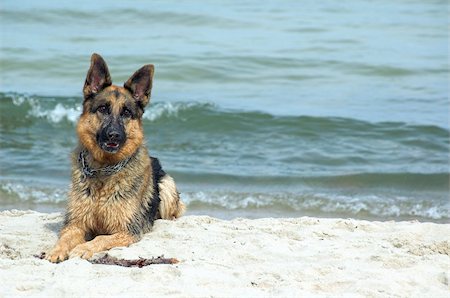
(112, 137)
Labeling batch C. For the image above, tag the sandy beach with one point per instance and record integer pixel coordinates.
(282, 257)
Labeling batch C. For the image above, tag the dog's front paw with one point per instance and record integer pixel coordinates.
(57, 254)
(84, 251)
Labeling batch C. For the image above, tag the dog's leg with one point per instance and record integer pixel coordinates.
(70, 237)
(171, 206)
(101, 243)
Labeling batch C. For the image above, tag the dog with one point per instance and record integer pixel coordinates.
(117, 189)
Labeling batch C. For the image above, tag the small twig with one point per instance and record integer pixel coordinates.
(141, 262)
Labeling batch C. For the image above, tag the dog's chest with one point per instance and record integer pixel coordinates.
(107, 206)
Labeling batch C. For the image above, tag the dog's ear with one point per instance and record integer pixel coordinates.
(140, 84)
(97, 78)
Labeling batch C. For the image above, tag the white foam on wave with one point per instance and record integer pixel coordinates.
(157, 111)
(382, 207)
(57, 114)
(231, 201)
(69, 112)
(171, 109)
(37, 195)
(332, 204)
(45, 108)
(19, 99)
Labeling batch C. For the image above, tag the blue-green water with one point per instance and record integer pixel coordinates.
(258, 109)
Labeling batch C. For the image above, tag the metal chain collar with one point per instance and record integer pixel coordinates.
(106, 171)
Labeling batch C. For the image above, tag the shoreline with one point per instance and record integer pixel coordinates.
(258, 213)
(304, 256)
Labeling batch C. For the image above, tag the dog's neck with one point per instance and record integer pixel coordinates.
(89, 170)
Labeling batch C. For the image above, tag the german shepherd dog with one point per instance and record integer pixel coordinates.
(117, 189)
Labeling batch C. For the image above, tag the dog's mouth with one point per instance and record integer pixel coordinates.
(111, 138)
(110, 146)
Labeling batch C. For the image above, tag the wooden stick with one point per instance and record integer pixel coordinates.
(141, 262)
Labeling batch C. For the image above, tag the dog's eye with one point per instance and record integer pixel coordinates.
(103, 109)
(126, 113)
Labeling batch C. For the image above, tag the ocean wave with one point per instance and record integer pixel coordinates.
(173, 109)
(305, 203)
(20, 192)
(57, 114)
(342, 152)
(60, 109)
(363, 206)
(57, 110)
(53, 110)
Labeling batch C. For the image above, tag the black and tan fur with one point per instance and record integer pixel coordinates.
(106, 211)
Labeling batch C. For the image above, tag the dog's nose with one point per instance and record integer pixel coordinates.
(113, 135)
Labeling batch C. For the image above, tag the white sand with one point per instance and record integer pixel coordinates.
(305, 256)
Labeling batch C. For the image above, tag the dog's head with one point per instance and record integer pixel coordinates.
(110, 126)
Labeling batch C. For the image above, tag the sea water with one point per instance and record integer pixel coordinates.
(258, 109)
